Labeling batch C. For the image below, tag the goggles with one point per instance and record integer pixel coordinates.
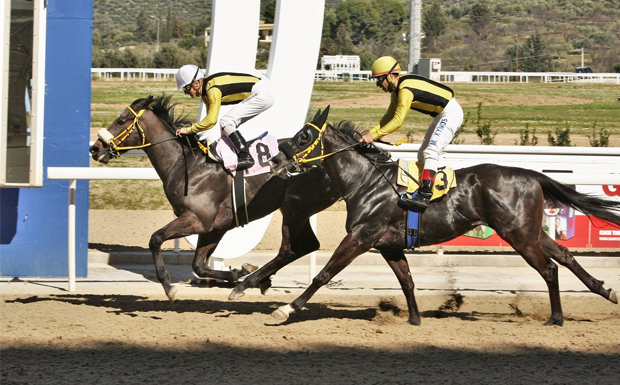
(381, 78)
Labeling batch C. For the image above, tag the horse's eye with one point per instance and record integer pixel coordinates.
(304, 137)
(121, 122)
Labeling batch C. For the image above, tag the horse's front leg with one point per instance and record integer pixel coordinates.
(346, 252)
(181, 226)
(399, 264)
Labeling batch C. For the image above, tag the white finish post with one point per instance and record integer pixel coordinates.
(5, 35)
(313, 254)
(72, 187)
(291, 49)
(232, 46)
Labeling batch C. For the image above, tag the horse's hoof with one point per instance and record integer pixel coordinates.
(414, 322)
(282, 312)
(248, 268)
(172, 294)
(612, 296)
(554, 322)
(264, 286)
(235, 295)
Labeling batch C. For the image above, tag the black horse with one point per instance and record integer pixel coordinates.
(510, 200)
(200, 192)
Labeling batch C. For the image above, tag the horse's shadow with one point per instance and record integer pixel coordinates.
(134, 306)
(140, 306)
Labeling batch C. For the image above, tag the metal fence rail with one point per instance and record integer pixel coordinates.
(444, 76)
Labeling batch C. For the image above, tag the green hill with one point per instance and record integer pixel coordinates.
(491, 35)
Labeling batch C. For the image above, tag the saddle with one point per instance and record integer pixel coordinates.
(262, 148)
(444, 179)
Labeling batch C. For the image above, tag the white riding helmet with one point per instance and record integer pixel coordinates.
(188, 74)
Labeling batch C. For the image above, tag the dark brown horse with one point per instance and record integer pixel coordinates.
(508, 199)
(201, 198)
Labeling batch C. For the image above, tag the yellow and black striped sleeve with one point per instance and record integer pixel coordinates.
(212, 101)
(400, 103)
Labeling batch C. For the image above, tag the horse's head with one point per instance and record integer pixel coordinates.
(304, 148)
(123, 134)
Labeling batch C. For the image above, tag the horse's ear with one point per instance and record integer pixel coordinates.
(323, 118)
(316, 116)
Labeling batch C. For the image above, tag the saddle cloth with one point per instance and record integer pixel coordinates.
(444, 179)
(262, 149)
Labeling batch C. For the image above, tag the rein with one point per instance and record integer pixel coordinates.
(297, 159)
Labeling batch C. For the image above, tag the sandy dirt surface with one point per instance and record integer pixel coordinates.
(338, 339)
(486, 337)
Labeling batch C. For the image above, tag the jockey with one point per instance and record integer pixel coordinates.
(418, 93)
(251, 93)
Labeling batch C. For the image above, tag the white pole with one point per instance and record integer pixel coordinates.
(72, 186)
(313, 254)
(582, 57)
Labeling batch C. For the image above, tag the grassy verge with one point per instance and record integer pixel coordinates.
(509, 107)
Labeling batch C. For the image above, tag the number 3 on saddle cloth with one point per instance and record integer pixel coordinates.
(444, 181)
(262, 149)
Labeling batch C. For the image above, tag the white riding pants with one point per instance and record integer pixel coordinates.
(439, 134)
(259, 100)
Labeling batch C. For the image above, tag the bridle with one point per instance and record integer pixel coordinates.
(302, 156)
(114, 142)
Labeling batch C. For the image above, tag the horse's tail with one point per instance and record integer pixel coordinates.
(605, 209)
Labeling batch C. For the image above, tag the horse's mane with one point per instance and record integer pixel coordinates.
(347, 131)
(163, 107)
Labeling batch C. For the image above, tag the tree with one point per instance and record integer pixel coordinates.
(389, 25)
(533, 55)
(434, 23)
(269, 14)
(359, 18)
(481, 20)
(142, 28)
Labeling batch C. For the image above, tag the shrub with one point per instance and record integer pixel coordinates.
(483, 131)
(599, 138)
(525, 137)
(561, 138)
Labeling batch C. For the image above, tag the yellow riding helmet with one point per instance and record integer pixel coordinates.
(385, 65)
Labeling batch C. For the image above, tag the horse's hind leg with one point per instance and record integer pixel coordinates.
(346, 252)
(298, 239)
(204, 248)
(399, 264)
(563, 256)
(530, 249)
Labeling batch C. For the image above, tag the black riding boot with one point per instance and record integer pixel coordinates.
(424, 195)
(244, 159)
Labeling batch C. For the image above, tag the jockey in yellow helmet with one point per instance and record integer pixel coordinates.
(415, 92)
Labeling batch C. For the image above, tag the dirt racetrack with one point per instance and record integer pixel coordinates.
(123, 336)
(340, 339)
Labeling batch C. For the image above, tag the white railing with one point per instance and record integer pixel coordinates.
(525, 77)
(588, 166)
(444, 76)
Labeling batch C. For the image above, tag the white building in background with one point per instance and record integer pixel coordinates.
(340, 63)
(265, 33)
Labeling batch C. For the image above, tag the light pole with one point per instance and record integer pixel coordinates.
(157, 18)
